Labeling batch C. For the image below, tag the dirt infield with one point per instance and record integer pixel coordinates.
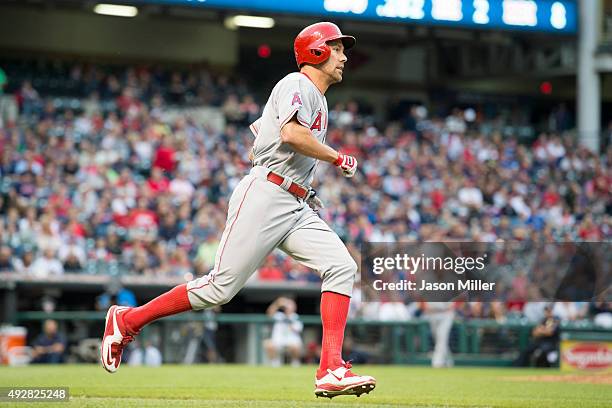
(601, 378)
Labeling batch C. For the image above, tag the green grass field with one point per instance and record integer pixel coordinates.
(263, 387)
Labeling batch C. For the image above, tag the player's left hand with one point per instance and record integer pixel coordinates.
(347, 163)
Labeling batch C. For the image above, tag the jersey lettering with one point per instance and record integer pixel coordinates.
(296, 98)
(317, 123)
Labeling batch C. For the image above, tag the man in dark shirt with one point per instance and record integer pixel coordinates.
(545, 339)
(5, 259)
(49, 346)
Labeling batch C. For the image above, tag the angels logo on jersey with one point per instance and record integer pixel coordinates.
(296, 98)
(318, 122)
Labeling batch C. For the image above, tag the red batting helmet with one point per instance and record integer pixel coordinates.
(310, 44)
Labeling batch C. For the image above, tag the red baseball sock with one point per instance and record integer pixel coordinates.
(334, 311)
(172, 302)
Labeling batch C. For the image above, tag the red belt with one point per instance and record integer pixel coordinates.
(294, 188)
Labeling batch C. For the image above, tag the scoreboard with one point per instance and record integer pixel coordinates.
(552, 16)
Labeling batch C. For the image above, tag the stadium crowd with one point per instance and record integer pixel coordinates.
(114, 185)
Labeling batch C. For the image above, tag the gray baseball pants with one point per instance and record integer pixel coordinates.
(263, 216)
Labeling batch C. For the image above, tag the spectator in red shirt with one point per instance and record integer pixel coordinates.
(589, 231)
(158, 183)
(270, 271)
(143, 222)
(437, 199)
(350, 145)
(551, 197)
(74, 227)
(165, 155)
(142, 216)
(60, 202)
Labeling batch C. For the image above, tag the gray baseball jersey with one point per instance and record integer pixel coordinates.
(263, 216)
(294, 95)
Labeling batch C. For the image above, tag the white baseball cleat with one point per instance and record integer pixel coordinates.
(114, 340)
(342, 381)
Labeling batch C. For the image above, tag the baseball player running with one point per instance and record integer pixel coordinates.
(274, 207)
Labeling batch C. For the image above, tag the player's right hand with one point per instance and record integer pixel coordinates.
(347, 163)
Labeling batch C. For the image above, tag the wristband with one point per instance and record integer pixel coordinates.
(338, 161)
